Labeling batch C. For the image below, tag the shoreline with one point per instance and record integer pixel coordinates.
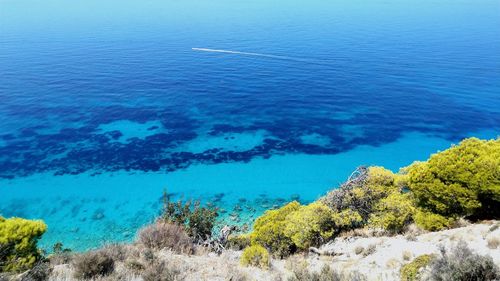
(111, 207)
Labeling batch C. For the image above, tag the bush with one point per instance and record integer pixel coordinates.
(255, 255)
(310, 225)
(493, 242)
(238, 242)
(348, 220)
(162, 235)
(355, 200)
(118, 252)
(93, 264)
(430, 221)
(301, 273)
(18, 243)
(393, 213)
(39, 272)
(460, 181)
(269, 230)
(462, 264)
(198, 220)
(58, 248)
(411, 271)
(371, 249)
(161, 271)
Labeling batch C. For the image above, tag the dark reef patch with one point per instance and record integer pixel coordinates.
(84, 147)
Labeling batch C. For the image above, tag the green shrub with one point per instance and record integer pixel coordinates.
(238, 242)
(255, 255)
(463, 180)
(348, 220)
(462, 264)
(269, 229)
(430, 221)
(310, 225)
(198, 220)
(18, 243)
(58, 248)
(393, 213)
(381, 177)
(411, 271)
(93, 264)
(355, 200)
(293, 227)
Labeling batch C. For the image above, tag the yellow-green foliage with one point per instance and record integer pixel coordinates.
(379, 184)
(268, 230)
(394, 212)
(238, 242)
(430, 221)
(255, 255)
(310, 225)
(410, 271)
(18, 243)
(381, 177)
(347, 219)
(460, 181)
(354, 201)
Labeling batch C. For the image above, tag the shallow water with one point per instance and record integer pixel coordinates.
(103, 105)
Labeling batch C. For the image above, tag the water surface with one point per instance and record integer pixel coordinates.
(103, 104)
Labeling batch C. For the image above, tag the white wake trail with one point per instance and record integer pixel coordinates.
(249, 54)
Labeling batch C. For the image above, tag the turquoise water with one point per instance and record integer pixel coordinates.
(104, 104)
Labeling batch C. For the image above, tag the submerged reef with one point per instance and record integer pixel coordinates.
(112, 138)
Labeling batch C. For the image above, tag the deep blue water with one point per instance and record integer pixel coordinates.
(96, 88)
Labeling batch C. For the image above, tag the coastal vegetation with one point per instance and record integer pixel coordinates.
(18, 243)
(460, 183)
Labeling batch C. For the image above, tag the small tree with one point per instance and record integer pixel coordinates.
(198, 220)
(394, 212)
(255, 255)
(18, 243)
(269, 230)
(310, 225)
(463, 180)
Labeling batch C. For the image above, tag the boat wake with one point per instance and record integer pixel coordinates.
(252, 54)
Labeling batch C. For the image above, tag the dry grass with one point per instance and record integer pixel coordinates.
(162, 271)
(393, 263)
(166, 236)
(93, 264)
(118, 252)
(365, 233)
(493, 242)
(372, 248)
(461, 222)
(461, 263)
(412, 232)
(407, 255)
(494, 227)
(358, 250)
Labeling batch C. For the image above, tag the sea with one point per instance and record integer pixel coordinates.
(106, 105)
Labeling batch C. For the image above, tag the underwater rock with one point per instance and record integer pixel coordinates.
(98, 215)
(237, 208)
